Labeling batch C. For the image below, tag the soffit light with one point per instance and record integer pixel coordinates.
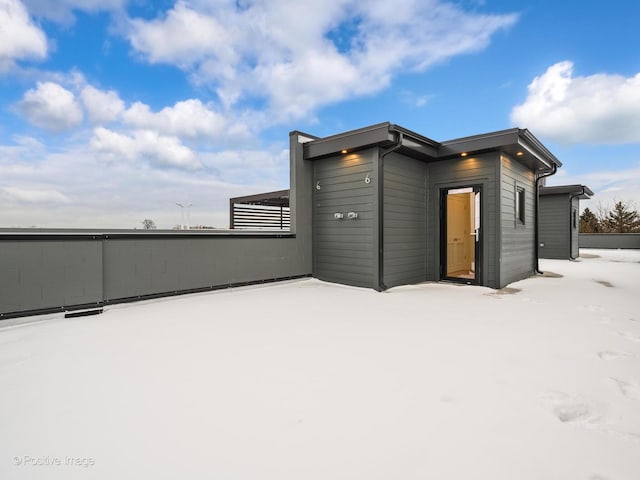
(463, 154)
(343, 151)
(520, 154)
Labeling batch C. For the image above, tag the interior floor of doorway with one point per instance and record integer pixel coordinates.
(462, 274)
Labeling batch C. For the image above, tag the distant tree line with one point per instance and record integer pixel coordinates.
(148, 224)
(622, 218)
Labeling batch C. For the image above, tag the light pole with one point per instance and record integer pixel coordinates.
(182, 225)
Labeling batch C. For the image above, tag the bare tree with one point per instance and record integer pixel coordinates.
(148, 224)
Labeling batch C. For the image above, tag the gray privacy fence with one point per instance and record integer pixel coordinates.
(261, 217)
(54, 270)
(609, 240)
(50, 271)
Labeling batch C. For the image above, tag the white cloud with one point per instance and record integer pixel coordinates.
(102, 107)
(609, 186)
(162, 151)
(51, 107)
(26, 195)
(120, 194)
(299, 56)
(20, 38)
(600, 108)
(189, 118)
(298, 88)
(54, 108)
(182, 37)
(247, 166)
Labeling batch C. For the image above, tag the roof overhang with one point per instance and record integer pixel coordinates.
(279, 198)
(382, 135)
(518, 143)
(583, 191)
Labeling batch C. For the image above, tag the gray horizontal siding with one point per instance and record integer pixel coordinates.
(554, 226)
(518, 241)
(405, 220)
(481, 170)
(343, 249)
(575, 231)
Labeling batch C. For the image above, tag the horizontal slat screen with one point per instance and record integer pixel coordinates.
(261, 217)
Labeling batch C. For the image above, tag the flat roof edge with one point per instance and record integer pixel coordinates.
(350, 140)
(531, 138)
(481, 136)
(511, 141)
(415, 135)
(261, 196)
(567, 189)
(348, 133)
(380, 134)
(502, 140)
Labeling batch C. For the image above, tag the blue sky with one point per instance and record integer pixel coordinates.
(111, 111)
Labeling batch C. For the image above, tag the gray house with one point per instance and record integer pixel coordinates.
(375, 207)
(392, 207)
(559, 220)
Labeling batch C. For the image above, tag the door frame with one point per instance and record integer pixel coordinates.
(477, 280)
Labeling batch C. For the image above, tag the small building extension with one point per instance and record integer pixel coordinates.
(560, 220)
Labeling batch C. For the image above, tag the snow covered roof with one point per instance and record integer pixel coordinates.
(313, 380)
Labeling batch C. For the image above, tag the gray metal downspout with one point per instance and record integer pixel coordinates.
(571, 257)
(537, 223)
(380, 287)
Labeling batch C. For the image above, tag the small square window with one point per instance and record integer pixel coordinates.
(520, 210)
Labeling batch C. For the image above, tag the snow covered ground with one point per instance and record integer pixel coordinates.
(309, 380)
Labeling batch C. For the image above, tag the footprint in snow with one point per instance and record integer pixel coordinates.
(630, 436)
(630, 336)
(612, 354)
(628, 389)
(572, 410)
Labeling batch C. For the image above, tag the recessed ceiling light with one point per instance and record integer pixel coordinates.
(520, 154)
(463, 154)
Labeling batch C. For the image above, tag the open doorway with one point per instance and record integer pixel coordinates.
(461, 238)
